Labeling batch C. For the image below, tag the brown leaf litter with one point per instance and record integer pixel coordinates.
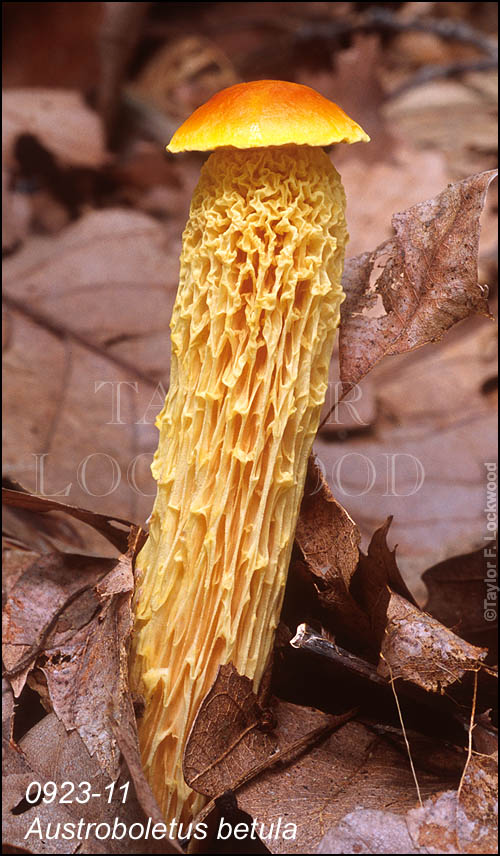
(305, 788)
(431, 262)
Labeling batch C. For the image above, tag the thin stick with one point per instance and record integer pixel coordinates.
(404, 733)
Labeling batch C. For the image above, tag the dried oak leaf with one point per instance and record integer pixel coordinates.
(300, 771)
(428, 282)
(60, 120)
(442, 824)
(418, 648)
(327, 539)
(67, 623)
(460, 822)
(226, 739)
(70, 616)
(376, 575)
(457, 591)
(22, 500)
(49, 753)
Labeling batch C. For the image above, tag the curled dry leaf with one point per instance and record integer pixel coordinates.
(379, 569)
(457, 589)
(428, 282)
(376, 575)
(226, 739)
(103, 523)
(70, 616)
(67, 623)
(418, 648)
(327, 539)
(35, 603)
(60, 120)
(47, 753)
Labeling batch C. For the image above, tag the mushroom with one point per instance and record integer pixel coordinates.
(252, 334)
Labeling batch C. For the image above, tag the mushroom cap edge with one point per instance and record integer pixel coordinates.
(265, 113)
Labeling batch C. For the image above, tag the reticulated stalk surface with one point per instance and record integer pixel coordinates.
(252, 334)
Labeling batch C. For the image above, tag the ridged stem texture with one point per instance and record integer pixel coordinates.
(252, 334)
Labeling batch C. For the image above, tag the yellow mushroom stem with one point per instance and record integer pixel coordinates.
(252, 334)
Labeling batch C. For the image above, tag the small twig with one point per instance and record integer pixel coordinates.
(446, 28)
(307, 640)
(379, 18)
(404, 733)
(434, 72)
(60, 399)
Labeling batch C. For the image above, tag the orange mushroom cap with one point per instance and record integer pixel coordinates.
(265, 113)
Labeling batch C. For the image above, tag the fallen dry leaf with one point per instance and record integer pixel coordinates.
(107, 260)
(35, 602)
(440, 825)
(379, 569)
(349, 768)
(116, 535)
(226, 739)
(427, 284)
(48, 753)
(327, 558)
(327, 540)
(461, 823)
(376, 575)
(60, 120)
(423, 459)
(67, 622)
(70, 616)
(86, 360)
(418, 648)
(457, 592)
(15, 561)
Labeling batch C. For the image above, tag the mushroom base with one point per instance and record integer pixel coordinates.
(252, 334)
